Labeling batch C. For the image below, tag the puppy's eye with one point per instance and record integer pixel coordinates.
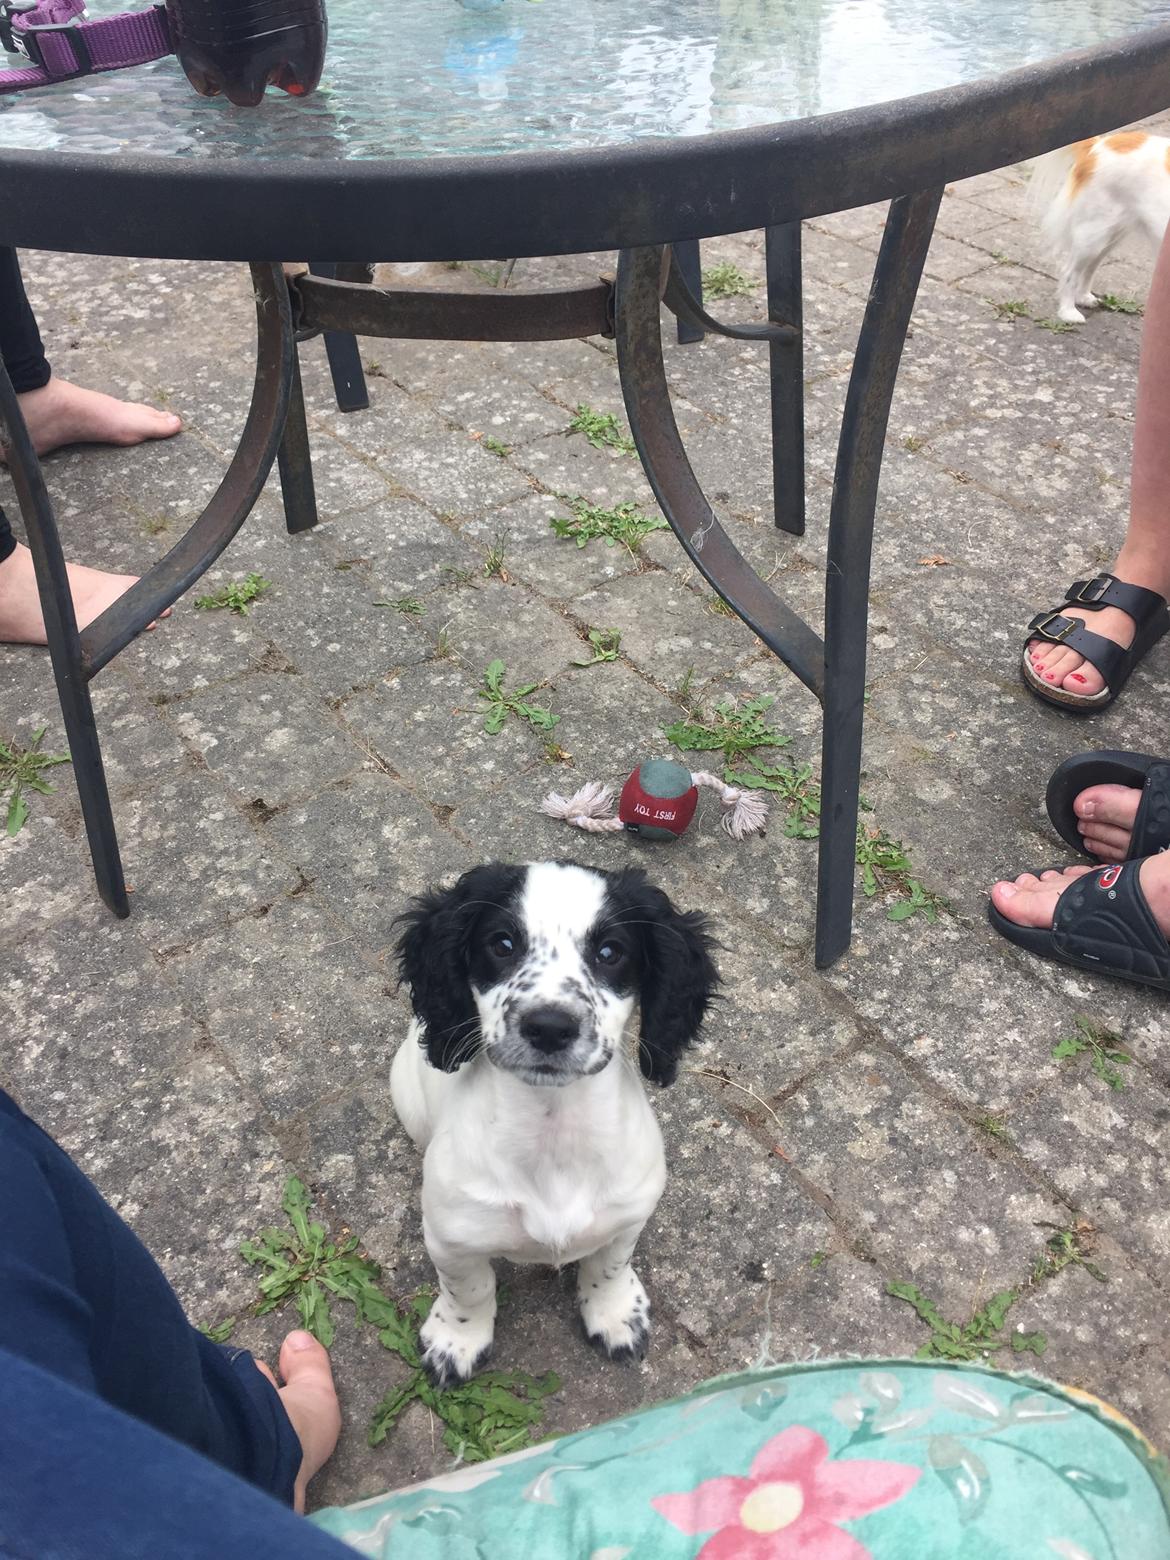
(610, 952)
(502, 945)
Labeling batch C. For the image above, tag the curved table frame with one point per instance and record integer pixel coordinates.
(640, 200)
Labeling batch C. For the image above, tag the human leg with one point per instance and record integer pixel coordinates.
(82, 1478)
(1144, 559)
(85, 1301)
(55, 411)
(20, 340)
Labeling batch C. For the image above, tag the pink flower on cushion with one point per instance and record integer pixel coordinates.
(789, 1506)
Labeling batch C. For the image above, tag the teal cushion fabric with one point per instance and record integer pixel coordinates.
(836, 1460)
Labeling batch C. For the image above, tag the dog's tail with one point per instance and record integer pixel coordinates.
(1049, 191)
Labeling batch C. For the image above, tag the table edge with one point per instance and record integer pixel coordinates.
(563, 202)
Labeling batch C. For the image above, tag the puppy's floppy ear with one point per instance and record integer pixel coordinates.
(679, 978)
(434, 960)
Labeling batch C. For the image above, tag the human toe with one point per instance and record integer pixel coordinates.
(1112, 806)
(310, 1400)
(1105, 843)
(1029, 901)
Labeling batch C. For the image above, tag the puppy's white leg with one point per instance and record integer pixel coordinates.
(615, 1309)
(457, 1334)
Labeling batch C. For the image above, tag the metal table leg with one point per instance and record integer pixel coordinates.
(295, 460)
(689, 257)
(835, 668)
(78, 657)
(909, 226)
(64, 650)
(341, 348)
(786, 371)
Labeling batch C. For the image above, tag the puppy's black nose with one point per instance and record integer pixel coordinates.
(549, 1029)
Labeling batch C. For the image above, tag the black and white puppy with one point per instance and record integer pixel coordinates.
(514, 1078)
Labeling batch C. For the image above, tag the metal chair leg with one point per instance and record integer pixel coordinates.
(64, 651)
(690, 263)
(786, 370)
(859, 457)
(295, 461)
(345, 360)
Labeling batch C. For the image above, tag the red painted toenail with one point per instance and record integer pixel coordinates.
(1076, 677)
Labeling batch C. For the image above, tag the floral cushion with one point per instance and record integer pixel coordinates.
(837, 1460)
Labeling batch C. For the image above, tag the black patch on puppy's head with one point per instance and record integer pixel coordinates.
(678, 977)
(436, 953)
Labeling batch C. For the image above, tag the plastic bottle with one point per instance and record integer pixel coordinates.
(239, 47)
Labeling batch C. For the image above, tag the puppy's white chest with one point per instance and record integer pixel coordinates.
(560, 1219)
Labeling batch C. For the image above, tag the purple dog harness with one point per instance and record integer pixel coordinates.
(60, 44)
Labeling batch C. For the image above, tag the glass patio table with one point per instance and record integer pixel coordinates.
(457, 129)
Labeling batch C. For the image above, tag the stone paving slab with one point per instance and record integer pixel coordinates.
(285, 780)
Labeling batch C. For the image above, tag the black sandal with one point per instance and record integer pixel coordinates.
(1102, 923)
(1142, 771)
(1114, 662)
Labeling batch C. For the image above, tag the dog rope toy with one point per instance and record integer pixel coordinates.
(658, 801)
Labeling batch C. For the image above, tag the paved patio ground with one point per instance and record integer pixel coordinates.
(284, 780)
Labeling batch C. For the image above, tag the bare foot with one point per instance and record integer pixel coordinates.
(21, 622)
(1105, 815)
(310, 1401)
(1031, 900)
(60, 413)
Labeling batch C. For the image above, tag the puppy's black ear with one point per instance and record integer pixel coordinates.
(679, 978)
(434, 960)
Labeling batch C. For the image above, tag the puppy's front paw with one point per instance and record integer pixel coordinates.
(616, 1317)
(454, 1347)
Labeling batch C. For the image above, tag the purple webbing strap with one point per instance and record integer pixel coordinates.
(130, 38)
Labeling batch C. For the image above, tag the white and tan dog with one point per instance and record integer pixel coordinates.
(1092, 195)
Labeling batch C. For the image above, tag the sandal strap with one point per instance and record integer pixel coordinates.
(1104, 919)
(1108, 657)
(1106, 590)
(1151, 826)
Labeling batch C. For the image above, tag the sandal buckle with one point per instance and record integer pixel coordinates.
(1042, 625)
(1089, 591)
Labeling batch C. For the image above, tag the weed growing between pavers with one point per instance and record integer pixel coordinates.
(497, 1412)
(21, 770)
(726, 280)
(795, 786)
(236, 595)
(1012, 308)
(625, 523)
(732, 729)
(985, 1333)
(1112, 304)
(605, 644)
(495, 446)
(1057, 327)
(501, 704)
(1103, 1047)
(975, 1339)
(738, 731)
(602, 429)
(409, 606)
(493, 558)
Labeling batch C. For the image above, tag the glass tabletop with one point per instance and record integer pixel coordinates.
(467, 77)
